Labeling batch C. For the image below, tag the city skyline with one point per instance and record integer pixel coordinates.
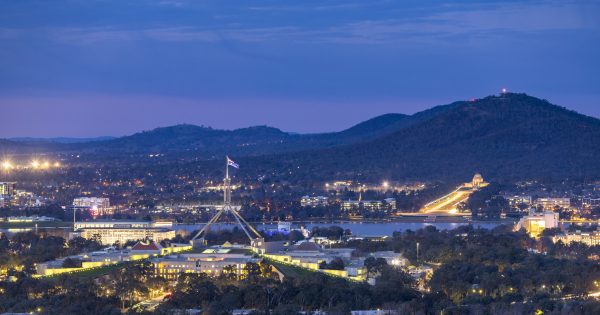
(137, 66)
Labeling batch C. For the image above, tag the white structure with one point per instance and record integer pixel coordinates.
(535, 223)
(98, 206)
(212, 261)
(111, 232)
(587, 238)
(107, 256)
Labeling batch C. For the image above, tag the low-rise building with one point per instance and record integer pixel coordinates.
(314, 201)
(535, 223)
(96, 205)
(515, 201)
(587, 238)
(589, 202)
(212, 262)
(369, 205)
(550, 204)
(7, 189)
(111, 232)
(34, 218)
(311, 256)
(106, 257)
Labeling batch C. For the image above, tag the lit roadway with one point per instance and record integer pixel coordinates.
(449, 203)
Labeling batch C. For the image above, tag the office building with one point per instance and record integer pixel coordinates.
(111, 232)
(590, 202)
(587, 238)
(550, 204)
(106, 257)
(7, 189)
(368, 205)
(97, 206)
(311, 256)
(316, 201)
(535, 223)
(212, 261)
(515, 201)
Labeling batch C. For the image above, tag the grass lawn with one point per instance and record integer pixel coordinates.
(91, 272)
(289, 270)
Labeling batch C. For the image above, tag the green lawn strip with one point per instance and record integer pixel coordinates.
(293, 271)
(92, 272)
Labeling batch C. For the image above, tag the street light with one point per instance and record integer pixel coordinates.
(35, 164)
(417, 252)
(6, 165)
(385, 184)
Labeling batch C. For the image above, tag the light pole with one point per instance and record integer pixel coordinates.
(417, 252)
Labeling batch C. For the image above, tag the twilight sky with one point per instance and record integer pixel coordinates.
(110, 67)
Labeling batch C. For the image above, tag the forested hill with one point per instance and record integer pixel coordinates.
(511, 136)
(205, 142)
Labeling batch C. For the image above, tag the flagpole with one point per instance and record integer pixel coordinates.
(227, 167)
(226, 190)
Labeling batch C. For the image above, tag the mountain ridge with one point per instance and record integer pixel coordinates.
(512, 135)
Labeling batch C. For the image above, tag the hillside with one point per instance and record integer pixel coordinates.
(513, 136)
(205, 142)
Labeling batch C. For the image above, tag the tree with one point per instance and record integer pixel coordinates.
(72, 263)
(375, 265)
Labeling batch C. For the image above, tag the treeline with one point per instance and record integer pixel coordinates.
(493, 270)
(20, 253)
(262, 292)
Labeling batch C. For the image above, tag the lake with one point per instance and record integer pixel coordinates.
(357, 228)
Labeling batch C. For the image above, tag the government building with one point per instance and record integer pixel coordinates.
(115, 231)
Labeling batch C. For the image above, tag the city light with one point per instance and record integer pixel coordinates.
(32, 164)
(385, 184)
(7, 165)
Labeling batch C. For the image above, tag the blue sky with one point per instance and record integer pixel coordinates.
(101, 67)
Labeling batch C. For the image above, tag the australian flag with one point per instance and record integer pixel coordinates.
(230, 162)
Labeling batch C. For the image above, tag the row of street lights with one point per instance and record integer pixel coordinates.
(35, 164)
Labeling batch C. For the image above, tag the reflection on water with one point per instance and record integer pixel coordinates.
(357, 228)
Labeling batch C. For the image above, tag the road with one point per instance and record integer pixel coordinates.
(449, 203)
